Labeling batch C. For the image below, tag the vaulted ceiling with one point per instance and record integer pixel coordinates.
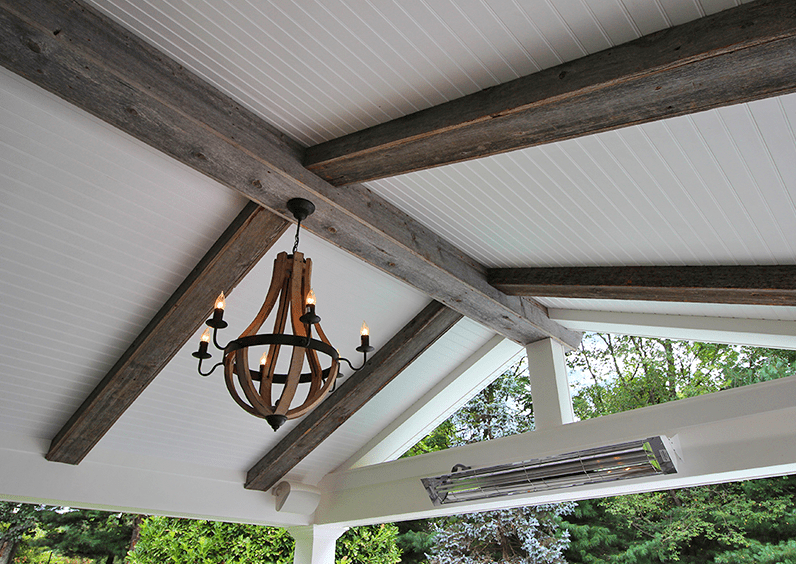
(476, 156)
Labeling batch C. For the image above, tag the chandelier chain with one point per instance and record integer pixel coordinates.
(295, 245)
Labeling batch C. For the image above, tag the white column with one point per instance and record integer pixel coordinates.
(315, 543)
(552, 403)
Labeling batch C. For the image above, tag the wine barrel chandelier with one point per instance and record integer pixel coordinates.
(291, 294)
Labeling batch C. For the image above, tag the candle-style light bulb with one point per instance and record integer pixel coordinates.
(364, 336)
(263, 359)
(217, 321)
(310, 317)
(202, 353)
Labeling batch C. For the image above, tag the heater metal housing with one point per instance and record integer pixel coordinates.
(634, 459)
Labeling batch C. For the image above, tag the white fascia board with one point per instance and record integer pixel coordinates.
(457, 388)
(116, 481)
(770, 333)
(743, 433)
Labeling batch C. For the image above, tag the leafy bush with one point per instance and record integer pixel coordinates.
(186, 541)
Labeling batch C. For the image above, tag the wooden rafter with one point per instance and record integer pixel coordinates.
(85, 58)
(761, 285)
(238, 249)
(739, 55)
(387, 363)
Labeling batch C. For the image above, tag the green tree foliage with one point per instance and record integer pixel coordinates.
(186, 541)
(749, 521)
(98, 535)
(620, 373)
(525, 535)
(415, 540)
(17, 521)
(374, 544)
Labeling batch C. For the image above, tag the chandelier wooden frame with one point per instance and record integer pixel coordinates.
(290, 286)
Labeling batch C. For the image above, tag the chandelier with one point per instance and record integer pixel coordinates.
(291, 294)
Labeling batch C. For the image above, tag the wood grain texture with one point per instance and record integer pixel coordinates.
(739, 55)
(238, 249)
(387, 363)
(88, 60)
(759, 285)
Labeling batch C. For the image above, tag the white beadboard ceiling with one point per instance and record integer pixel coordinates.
(98, 229)
(718, 187)
(321, 69)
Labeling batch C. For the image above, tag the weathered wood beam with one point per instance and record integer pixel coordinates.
(741, 54)
(760, 285)
(82, 56)
(387, 363)
(238, 249)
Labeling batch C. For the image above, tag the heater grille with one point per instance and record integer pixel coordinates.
(647, 457)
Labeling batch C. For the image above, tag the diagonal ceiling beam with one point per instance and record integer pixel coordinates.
(387, 363)
(739, 55)
(80, 55)
(238, 249)
(760, 285)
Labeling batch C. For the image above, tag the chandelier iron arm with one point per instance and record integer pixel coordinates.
(209, 372)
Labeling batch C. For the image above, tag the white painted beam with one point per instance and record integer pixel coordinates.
(736, 434)
(768, 333)
(552, 402)
(118, 481)
(442, 401)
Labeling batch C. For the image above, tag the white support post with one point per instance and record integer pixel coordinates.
(315, 543)
(552, 403)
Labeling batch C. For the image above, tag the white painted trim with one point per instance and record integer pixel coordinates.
(444, 399)
(754, 332)
(743, 433)
(119, 481)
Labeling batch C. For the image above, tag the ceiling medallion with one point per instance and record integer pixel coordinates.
(291, 293)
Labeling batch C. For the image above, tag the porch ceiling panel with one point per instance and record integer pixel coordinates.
(97, 231)
(718, 187)
(319, 70)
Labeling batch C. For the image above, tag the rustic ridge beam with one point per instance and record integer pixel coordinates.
(85, 58)
(387, 363)
(760, 285)
(230, 258)
(739, 55)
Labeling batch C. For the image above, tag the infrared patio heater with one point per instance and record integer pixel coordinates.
(291, 294)
(653, 456)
